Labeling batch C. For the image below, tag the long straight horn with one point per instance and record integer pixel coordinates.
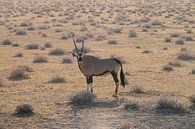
(82, 46)
(75, 45)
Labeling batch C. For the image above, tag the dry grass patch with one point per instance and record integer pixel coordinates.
(192, 100)
(137, 89)
(18, 73)
(23, 110)
(170, 104)
(168, 68)
(40, 59)
(7, 42)
(131, 106)
(56, 52)
(57, 79)
(113, 42)
(15, 45)
(66, 60)
(18, 54)
(82, 98)
(32, 46)
(185, 56)
(47, 45)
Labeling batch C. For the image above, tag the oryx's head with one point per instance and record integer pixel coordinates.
(76, 53)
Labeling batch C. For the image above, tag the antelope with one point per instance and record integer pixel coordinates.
(92, 66)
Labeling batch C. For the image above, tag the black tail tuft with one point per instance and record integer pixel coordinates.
(122, 75)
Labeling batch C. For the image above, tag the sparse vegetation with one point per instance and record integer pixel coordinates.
(132, 34)
(47, 45)
(24, 109)
(18, 54)
(185, 56)
(66, 60)
(137, 89)
(114, 42)
(7, 42)
(18, 73)
(192, 99)
(56, 52)
(82, 98)
(57, 79)
(193, 71)
(169, 103)
(168, 39)
(21, 32)
(40, 59)
(131, 106)
(168, 68)
(32, 46)
(179, 41)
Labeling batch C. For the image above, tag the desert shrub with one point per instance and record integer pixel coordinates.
(24, 110)
(168, 68)
(168, 39)
(144, 30)
(57, 79)
(189, 38)
(18, 73)
(18, 54)
(137, 89)
(192, 100)
(189, 31)
(79, 39)
(114, 30)
(15, 45)
(64, 37)
(156, 22)
(66, 60)
(25, 24)
(31, 28)
(57, 52)
(21, 32)
(99, 37)
(169, 103)
(47, 45)
(32, 46)
(114, 42)
(44, 35)
(83, 28)
(82, 98)
(131, 106)
(175, 34)
(26, 68)
(132, 34)
(40, 59)
(147, 51)
(58, 30)
(185, 56)
(175, 63)
(43, 27)
(85, 50)
(179, 41)
(7, 42)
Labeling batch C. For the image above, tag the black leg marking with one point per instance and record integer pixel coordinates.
(90, 82)
(114, 75)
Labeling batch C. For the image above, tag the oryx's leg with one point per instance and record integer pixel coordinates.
(90, 83)
(114, 75)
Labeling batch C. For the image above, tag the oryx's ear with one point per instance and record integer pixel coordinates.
(73, 54)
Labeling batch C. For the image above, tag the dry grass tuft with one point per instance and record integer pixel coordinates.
(137, 89)
(82, 98)
(192, 100)
(18, 73)
(185, 56)
(169, 103)
(66, 60)
(7, 42)
(32, 46)
(40, 59)
(131, 106)
(57, 52)
(23, 110)
(18, 54)
(57, 79)
(168, 68)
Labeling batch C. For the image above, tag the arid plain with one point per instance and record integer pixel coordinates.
(153, 39)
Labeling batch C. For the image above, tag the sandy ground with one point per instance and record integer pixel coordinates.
(151, 20)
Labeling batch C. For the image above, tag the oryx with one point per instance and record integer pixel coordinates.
(92, 66)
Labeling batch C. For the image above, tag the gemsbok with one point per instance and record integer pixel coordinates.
(92, 66)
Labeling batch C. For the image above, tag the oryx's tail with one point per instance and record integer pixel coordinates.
(122, 75)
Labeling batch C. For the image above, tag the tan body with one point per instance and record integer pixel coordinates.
(93, 66)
